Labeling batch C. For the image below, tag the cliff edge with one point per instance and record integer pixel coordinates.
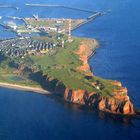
(114, 101)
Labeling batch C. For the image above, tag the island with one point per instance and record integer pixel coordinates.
(57, 62)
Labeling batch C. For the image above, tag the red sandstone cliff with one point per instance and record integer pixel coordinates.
(118, 104)
(113, 105)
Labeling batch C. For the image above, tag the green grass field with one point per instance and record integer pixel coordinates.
(60, 65)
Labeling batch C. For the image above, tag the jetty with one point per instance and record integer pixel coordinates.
(9, 28)
(89, 19)
(9, 6)
(61, 6)
(5, 26)
(17, 18)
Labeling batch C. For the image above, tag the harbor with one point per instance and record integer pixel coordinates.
(35, 24)
(54, 28)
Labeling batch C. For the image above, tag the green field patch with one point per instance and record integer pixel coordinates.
(15, 78)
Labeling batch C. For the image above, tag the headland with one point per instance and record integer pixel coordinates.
(54, 61)
(65, 70)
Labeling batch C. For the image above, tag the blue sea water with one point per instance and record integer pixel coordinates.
(29, 116)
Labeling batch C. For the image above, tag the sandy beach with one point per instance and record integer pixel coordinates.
(25, 88)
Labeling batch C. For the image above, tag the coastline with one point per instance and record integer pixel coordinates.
(41, 90)
(24, 88)
(95, 92)
(112, 98)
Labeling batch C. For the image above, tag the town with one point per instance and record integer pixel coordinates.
(31, 33)
(22, 46)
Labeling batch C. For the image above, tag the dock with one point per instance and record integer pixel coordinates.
(61, 6)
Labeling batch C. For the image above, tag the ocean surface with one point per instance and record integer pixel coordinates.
(30, 116)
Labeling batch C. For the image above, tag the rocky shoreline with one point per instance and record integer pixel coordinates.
(119, 104)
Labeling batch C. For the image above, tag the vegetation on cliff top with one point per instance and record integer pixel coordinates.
(60, 64)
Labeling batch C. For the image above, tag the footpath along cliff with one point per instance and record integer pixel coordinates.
(119, 101)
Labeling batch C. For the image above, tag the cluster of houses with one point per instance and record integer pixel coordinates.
(23, 46)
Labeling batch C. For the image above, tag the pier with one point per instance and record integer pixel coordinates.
(89, 19)
(95, 15)
(17, 18)
(9, 6)
(8, 28)
(61, 6)
(5, 26)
